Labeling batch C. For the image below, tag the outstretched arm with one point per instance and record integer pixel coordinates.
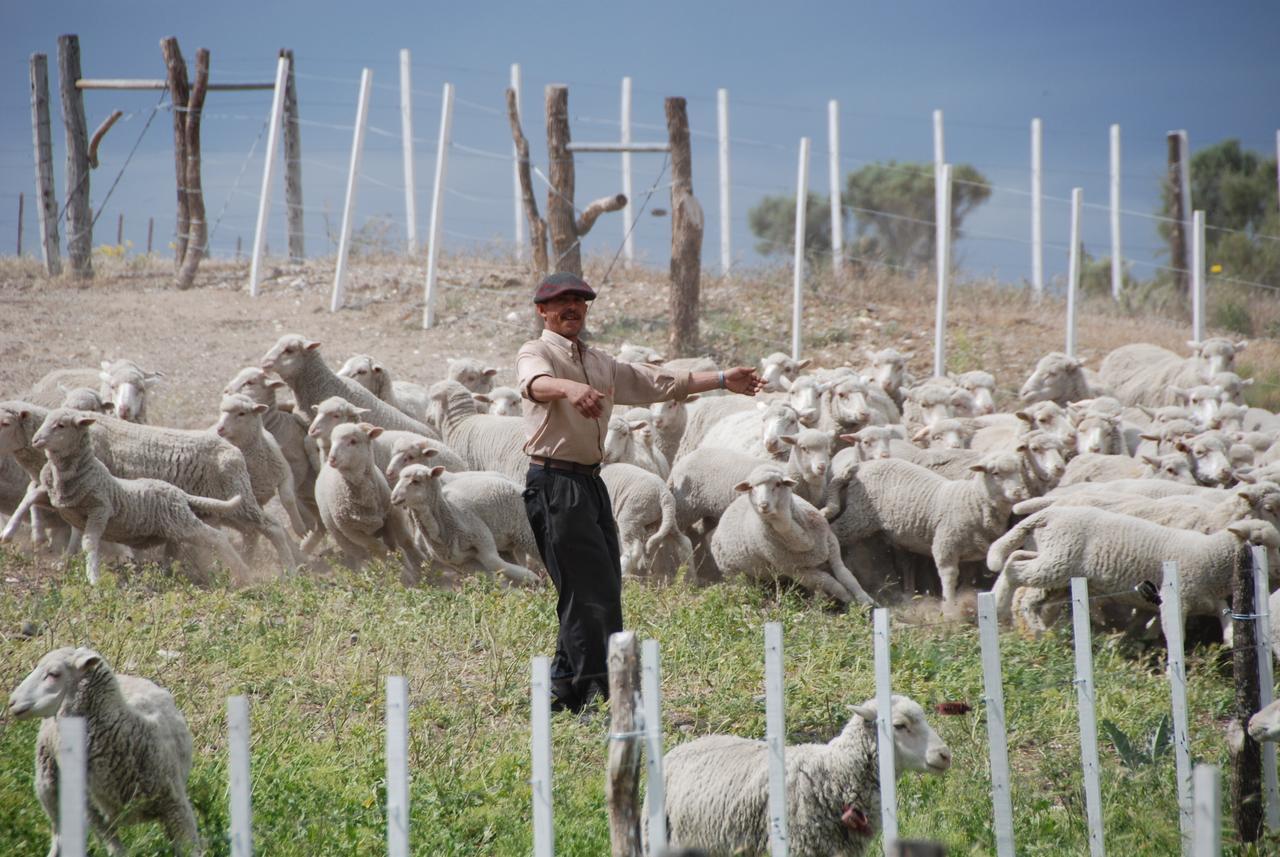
(740, 379)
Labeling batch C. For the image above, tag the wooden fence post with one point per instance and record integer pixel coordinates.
(151, 231)
(1117, 258)
(942, 262)
(1037, 210)
(437, 203)
(997, 739)
(540, 745)
(515, 168)
(353, 176)
(397, 767)
(686, 235)
(293, 163)
(628, 242)
(726, 209)
(268, 170)
(1073, 269)
(42, 140)
(565, 251)
(775, 738)
(179, 95)
(406, 144)
(197, 245)
(797, 259)
(1246, 779)
(238, 751)
(884, 731)
(837, 201)
(1171, 623)
(622, 787)
(1266, 678)
(72, 787)
(655, 790)
(21, 204)
(119, 230)
(1088, 717)
(537, 226)
(1178, 258)
(1208, 812)
(1197, 276)
(79, 217)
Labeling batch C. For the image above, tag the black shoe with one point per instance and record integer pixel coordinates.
(559, 704)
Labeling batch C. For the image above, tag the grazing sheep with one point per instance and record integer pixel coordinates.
(982, 386)
(355, 502)
(269, 472)
(1117, 552)
(756, 432)
(645, 512)
(468, 520)
(299, 363)
(767, 533)
(483, 441)
(630, 441)
(717, 797)
(139, 755)
(1061, 379)
(778, 371)
(409, 449)
(502, 402)
(1147, 374)
(123, 383)
(375, 378)
(138, 513)
(924, 513)
(887, 368)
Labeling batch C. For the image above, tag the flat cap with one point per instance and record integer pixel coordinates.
(562, 283)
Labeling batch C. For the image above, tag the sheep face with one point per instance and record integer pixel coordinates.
(407, 452)
(1265, 724)
(872, 442)
(1255, 532)
(916, 747)
(770, 491)
(1263, 500)
(1043, 453)
(672, 413)
(1232, 386)
(617, 441)
(254, 383)
(1209, 456)
(1002, 473)
(416, 486)
(810, 453)
(472, 374)
(779, 419)
(982, 387)
(12, 435)
(129, 386)
(504, 402)
(63, 431)
(1230, 417)
(42, 692)
(1095, 434)
(941, 401)
(805, 396)
(1173, 466)
(241, 419)
(331, 413)
(1218, 352)
(349, 447)
(1047, 417)
(946, 434)
(289, 355)
(888, 368)
(1204, 402)
(778, 371)
(366, 372)
(1051, 380)
(848, 403)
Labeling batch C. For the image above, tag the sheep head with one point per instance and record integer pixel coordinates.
(916, 746)
(53, 682)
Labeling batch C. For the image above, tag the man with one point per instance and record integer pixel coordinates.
(569, 391)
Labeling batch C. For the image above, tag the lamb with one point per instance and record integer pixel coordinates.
(670, 418)
(123, 383)
(467, 520)
(336, 411)
(299, 363)
(269, 472)
(778, 371)
(355, 502)
(756, 432)
(645, 512)
(1148, 374)
(482, 441)
(1100, 434)
(936, 400)
(501, 401)
(946, 434)
(768, 533)
(408, 450)
(888, 369)
(628, 441)
(472, 374)
(716, 786)
(982, 386)
(137, 513)
(410, 399)
(1061, 379)
(922, 512)
(1117, 552)
(140, 750)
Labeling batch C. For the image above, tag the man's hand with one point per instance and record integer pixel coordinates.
(585, 399)
(744, 380)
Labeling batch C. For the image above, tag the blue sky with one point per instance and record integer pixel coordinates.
(990, 66)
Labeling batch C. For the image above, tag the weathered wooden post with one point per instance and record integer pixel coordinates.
(119, 232)
(1246, 765)
(21, 204)
(179, 94)
(537, 226)
(151, 232)
(686, 235)
(42, 140)
(79, 217)
(565, 248)
(517, 187)
(622, 788)
(1178, 255)
(199, 237)
(293, 163)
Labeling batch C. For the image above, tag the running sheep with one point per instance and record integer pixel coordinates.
(269, 472)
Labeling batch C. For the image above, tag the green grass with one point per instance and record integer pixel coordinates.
(312, 655)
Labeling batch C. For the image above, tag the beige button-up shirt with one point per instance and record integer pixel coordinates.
(554, 428)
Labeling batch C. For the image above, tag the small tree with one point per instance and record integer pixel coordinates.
(773, 222)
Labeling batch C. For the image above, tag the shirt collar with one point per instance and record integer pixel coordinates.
(557, 340)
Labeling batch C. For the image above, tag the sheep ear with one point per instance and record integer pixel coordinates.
(1074, 363)
(1239, 529)
(866, 712)
(104, 377)
(979, 468)
(1245, 474)
(742, 486)
(108, 407)
(1021, 447)
(804, 364)
(310, 344)
(374, 431)
(1246, 382)
(1025, 417)
(86, 659)
(361, 411)
(923, 434)
(436, 471)
(1181, 446)
(789, 482)
(489, 373)
(638, 424)
(849, 438)
(151, 378)
(85, 420)
(429, 451)
(693, 398)
(275, 384)
(788, 439)
(1193, 345)
(481, 397)
(259, 409)
(1152, 460)
(1149, 436)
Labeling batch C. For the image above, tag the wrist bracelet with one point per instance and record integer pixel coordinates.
(722, 382)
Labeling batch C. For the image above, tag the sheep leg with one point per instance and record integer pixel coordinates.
(218, 541)
(843, 574)
(34, 494)
(948, 572)
(106, 832)
(487, 556)
(289, 499)
(180, 826)
(1008, 581)
(821, 581)
(355, 554)
(94, 526)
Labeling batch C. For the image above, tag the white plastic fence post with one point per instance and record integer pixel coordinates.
(1262, 628)
(1073, 269)
(942, 261)
(1208, 812)
(837, 206)
(802, 199)
(1171, 622)
(651, 691)
(939, 149)
(437, 203)
(1037, 200)
(884, 732)
(406, 137)
(268, 170)
(238, 753)
(1088, 717)
(628, 246)
(72, 787)
(349, 207)
(775, 738)
(1197, 276)
(540, 743)
(993, 687)
(1184, 178)
(1117, 258)
(726, 214)
(515, 169)
(397, 767)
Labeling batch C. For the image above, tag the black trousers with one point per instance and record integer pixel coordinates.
(572, 521)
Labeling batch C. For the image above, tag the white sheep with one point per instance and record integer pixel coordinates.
(998, 430)
(887, 368)
(1061, 379)
(755, 432)
(919, 511)
(86, 399)
(355, 502)
(645, 512)
(336, 411)
(139, 755)
(937, 399)
(409, 449)
(702, 415)
(850, 403)
(1100, 434)
(768, 533)
(502, 402)
(670, 418)
(123, 383)
(717, 797)
(982, 386)
(269, 473)
(138, 513)
(1092, 468)
(629, 353)
(778, 371)
(630, 440)
(1264, 725)
(405, 397)
(945, 434)
(1117, 552)
(472, 374)
(483, 441)
(1042, 454)
(1143, 373)
(1185, 511)
(468, 520)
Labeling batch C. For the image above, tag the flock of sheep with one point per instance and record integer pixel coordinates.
(831, 478)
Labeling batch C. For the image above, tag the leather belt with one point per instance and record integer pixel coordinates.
(561, 464)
